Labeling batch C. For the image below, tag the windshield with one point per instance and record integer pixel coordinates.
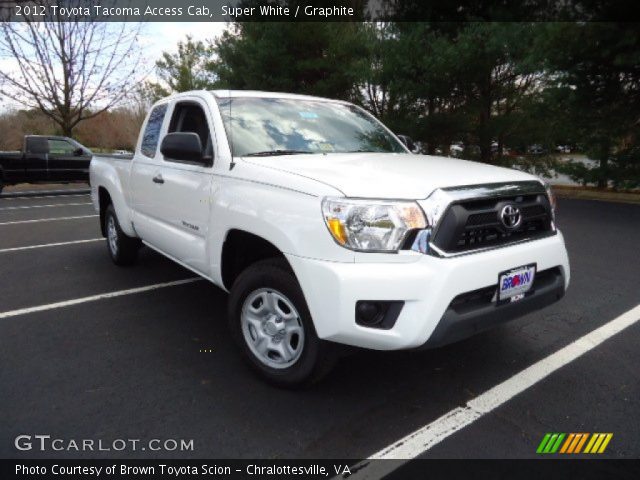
(280, 126)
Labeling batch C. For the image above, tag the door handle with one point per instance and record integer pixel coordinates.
(158, 179)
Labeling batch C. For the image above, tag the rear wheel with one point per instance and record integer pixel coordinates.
(123, 249)
(270, 321)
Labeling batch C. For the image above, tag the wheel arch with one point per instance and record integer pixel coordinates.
(241, 249)
(104, 200)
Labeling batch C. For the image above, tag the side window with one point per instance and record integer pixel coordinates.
(189, 117)
(60, 147)
(152, 132)
(38, 145)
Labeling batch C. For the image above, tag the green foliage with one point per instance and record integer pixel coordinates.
(580, 173)
(188, 69)
(594, 75)
(625, 168)
(541, 165)
(326, 59)
(147, 93)
(470, 81)
(620, 171)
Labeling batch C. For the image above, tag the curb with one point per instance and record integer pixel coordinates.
(38, 193)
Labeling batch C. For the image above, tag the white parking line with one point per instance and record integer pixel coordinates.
(59, 244)
(23, 207)
(93, 298)
(46, 220)
(423, 439)
(45, 196)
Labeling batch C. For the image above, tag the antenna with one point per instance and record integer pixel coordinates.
(233, 163)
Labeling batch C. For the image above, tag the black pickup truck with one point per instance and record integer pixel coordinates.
(45, 159)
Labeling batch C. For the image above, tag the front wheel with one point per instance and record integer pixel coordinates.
(270, 321)
(123, 249)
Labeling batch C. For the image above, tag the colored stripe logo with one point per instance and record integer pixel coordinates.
(573, 443)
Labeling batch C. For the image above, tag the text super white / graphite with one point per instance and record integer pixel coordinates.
(194, 11)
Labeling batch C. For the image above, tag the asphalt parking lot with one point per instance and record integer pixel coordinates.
(160, 363)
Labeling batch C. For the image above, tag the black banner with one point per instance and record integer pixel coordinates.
(319, 10)
(321, 469)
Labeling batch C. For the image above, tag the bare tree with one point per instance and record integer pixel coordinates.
(70, 68)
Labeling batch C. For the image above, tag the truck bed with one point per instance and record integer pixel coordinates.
(11, 155)
(115, 167)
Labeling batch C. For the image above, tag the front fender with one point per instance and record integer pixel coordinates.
(288, 219)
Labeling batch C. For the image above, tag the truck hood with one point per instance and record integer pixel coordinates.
(389, 175)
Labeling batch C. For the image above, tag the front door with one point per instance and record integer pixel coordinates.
(64, 165)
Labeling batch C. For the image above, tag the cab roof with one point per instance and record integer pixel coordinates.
(251, 93)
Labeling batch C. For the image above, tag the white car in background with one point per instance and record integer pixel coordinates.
(456, 149)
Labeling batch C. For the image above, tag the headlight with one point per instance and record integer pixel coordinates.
(371, 225)
(552, 201)
(552, 197)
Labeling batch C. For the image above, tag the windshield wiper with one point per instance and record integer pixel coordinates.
(269, 153)
(363, 151)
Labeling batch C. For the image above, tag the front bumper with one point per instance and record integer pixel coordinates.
(477, 312)
(427, 285)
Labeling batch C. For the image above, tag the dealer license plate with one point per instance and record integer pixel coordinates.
(515, 283)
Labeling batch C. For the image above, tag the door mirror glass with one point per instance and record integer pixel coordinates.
(409, 143)
(182, 146)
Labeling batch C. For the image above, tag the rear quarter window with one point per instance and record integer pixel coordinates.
(152, 131)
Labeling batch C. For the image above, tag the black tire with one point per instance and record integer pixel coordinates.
(123, 249)
(317, 356)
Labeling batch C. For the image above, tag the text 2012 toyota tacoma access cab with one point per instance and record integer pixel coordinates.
(325, 228)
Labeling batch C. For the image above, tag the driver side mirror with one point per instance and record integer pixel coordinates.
(182, 146)
(408, 142)
(78, 152)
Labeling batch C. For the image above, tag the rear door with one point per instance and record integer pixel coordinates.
(184, 205)
(145, 193)
(35, 160)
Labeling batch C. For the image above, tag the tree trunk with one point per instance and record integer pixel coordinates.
(66, 130)
(603, 174)
(431, 146)
(484, 133)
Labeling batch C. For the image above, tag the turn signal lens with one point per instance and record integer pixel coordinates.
(337, 230)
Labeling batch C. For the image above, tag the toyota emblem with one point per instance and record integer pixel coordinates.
(510, 216)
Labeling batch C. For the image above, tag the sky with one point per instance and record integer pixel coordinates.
(157, 37)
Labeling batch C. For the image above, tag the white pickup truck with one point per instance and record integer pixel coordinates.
(326, 229)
